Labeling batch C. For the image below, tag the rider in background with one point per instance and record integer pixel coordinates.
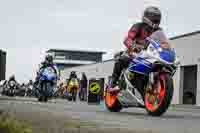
(72, 75)
(12, 78)
(84, 81)
(150, 23)
(30, 82)
(47, 63)
(83, 86)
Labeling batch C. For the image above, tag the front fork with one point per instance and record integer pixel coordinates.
(153, 77)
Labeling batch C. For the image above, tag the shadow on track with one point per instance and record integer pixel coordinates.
(142, 114)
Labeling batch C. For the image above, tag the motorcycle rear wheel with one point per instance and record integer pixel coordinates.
(112, 103)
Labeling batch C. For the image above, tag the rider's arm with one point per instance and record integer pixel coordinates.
(132, 33)
(57, 71)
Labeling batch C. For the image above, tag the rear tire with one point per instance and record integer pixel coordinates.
(115, 106)
(169, 89)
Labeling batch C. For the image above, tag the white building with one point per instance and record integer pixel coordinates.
(187, 77)
(65, 59)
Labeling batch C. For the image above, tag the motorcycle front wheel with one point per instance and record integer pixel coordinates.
(43, 93)
(158, 97)
(74, 94)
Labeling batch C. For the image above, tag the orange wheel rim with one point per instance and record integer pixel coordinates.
(154, 101)
(110, 99)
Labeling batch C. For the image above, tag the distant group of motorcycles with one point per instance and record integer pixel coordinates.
(43, 89)
(12, 88)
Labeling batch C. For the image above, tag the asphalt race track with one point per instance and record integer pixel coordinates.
(177, 119)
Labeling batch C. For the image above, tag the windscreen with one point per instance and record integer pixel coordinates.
(159, 36)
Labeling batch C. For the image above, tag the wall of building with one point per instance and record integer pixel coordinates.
(187, 49)
(76, 55)
(2, 65)
(98, 70)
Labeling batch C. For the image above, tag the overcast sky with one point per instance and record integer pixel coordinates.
(29, 27)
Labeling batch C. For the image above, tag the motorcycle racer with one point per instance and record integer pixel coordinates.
(150, 23)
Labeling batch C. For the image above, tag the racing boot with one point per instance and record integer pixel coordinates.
(114, 86)
(115, 76)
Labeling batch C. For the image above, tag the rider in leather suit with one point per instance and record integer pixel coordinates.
(72, 75)
(136, 35)
(12, 78)
(47, 63)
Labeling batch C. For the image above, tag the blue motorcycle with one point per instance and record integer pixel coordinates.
(47, 81)
(147, 82)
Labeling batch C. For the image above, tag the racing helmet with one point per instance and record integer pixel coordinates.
(152, 17)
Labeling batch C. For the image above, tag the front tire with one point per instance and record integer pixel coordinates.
(70, 98)
(74, 96)
(40, 98)
(45, 99)
(160, 106)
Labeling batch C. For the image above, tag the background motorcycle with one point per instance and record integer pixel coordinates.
(47, 81)
(72, 89)
(4, 88)
(29, 91)
(21, 91)
(147, 82)
(12, 88)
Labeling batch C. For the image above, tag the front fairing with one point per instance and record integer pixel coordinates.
(156, 53)
(144, 61)
(167, 55)
(48, 74)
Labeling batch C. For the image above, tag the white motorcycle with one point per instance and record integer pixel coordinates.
(147, 82)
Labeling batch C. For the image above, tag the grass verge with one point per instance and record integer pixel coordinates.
(11, 125)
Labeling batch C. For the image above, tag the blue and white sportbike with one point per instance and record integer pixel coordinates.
(47, 82)
(147, 82)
